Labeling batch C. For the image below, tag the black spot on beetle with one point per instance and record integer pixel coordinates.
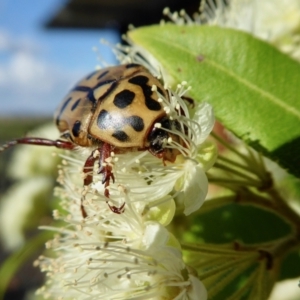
(91, 75)
(124, 99)
(160, 90)
(75, 104)
(102, 75)
(121, 136)
(142, 81)
(113, 85)
(82, 88)
(104, 119)
(88, 90)
(62, 110)
(128, 66)
(136, 123)
(65, 105)
(76, 128)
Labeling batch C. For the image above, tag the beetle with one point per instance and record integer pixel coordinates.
(112, 109)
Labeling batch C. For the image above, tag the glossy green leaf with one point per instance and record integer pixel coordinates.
(237, 225)
(254, 88)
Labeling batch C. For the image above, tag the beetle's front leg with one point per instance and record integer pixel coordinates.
(88, 176)
(106, 170)
(104, 167)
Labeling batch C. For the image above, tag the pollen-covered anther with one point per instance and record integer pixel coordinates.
(109, 160)
(170, 140)
(79, 228)
(160, 100)
(167, 109)
(84, 190)
(121, 188)
(166, 11)
(48, 245)
(93, 280)
(56, 214)
(154, 88)
(96, 153)
(157, 125)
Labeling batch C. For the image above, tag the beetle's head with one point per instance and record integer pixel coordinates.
(159, 136)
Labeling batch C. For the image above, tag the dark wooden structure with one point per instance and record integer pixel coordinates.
(117, 14)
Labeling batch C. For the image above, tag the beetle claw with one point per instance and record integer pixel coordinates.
(107, 174)
(117, 210)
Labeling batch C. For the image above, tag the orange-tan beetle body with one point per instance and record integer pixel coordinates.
(114, 105)
(113, 109)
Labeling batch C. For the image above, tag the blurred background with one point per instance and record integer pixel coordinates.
(45, 48)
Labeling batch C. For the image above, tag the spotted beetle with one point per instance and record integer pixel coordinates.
(112, 109)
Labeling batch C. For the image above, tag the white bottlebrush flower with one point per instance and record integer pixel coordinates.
(132, 255)
(286, 289)
(34, 168)
(17, 205)
(185, 177)
(116, 256)
(148, 179)
(34, 160)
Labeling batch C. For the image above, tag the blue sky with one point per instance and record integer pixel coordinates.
(38, 66)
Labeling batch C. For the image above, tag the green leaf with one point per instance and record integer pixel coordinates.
(254, 88)
(237, 225)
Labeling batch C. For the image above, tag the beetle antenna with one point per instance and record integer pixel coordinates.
(8, 145)
(38, 141)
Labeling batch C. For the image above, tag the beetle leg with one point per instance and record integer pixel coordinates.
(117, 210)
(106, 170)
(88, 178)
(104, 167)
